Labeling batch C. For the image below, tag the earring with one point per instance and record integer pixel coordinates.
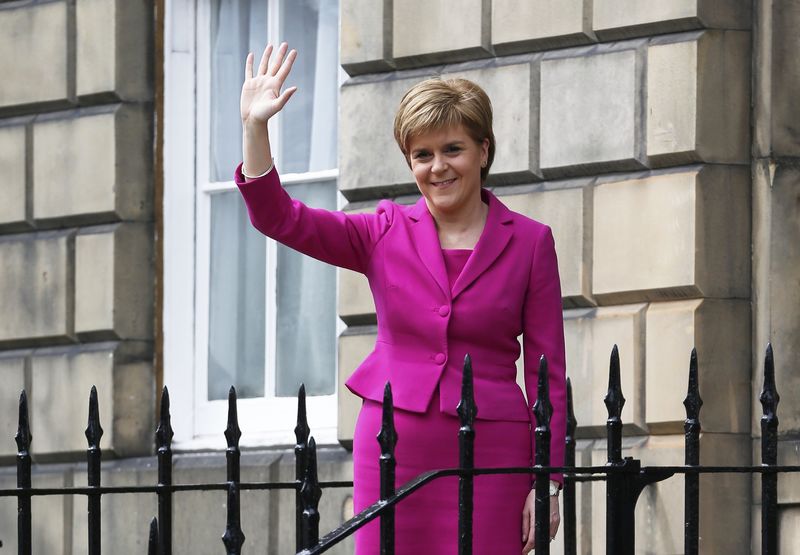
(483, 164)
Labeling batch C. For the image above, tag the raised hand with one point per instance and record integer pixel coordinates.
(261, 93)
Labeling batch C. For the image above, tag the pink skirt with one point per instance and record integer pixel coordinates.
(426, 522)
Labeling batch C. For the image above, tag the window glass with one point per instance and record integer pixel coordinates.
(237, 27)
(236, 329)
(306, 310)
(308, 123)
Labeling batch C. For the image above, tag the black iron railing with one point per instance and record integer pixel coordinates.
(625, 477)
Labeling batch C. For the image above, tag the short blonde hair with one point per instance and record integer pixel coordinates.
(441, 103)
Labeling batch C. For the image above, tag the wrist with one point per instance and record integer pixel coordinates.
(554, 488)
(253, 126)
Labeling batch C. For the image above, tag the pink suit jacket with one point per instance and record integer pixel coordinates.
(509, 287)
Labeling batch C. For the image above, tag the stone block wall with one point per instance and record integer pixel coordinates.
(76, 222)
(625, 126)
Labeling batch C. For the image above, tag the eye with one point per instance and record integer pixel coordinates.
(421, 154)
(453, 148)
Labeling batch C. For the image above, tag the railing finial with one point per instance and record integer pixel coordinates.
(164, 432)
(693, 402)
(467, 409)
(94, 431)
(24, 435)
(232, 432)
(542, 408)
(769, 394)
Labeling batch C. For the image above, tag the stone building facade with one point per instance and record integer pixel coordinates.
(660, 141)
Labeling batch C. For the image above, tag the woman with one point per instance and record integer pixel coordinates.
(456, 273)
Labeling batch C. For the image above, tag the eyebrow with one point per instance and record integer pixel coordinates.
(451, 143)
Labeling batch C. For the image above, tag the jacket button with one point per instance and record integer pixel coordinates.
(439, 358)
(444, 311)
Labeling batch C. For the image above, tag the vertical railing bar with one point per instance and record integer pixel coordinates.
(153, 538)
(94, 432)
(23, 439)
(693, 402)
(164, 436)
(615, 484)
(467, 411)
(301, 433)
(387, 439)
(233, 537)
(570, 517)
(769, 457)
(542, 410)
(310, 492)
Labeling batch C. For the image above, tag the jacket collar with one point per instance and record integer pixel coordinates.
(495, 236)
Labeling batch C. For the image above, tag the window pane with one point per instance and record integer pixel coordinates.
(306, 310)
(237, 27)
(236, 325)
(308, 125)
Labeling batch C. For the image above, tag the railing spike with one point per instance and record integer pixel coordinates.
(94, 432)
(572, 422)
(164, 435)
(311, 492)
(614, 402)
(232, 431)
(570, 520)
(614, 399)
(23, 436)
(23, 439)
(301, 430)
(467, 410)
(164, 432)
(691, 428)
(234, 536)
(769, 457)
(152, 540)
(693, 402)
(542, 410)
(301, 433)
(769, 393)
(387, 439)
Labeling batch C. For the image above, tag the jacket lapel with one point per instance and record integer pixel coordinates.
(493, 240)
(426, 241)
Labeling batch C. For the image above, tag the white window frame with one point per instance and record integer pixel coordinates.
(199, 423)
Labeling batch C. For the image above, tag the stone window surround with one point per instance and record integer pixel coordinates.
(264, 422)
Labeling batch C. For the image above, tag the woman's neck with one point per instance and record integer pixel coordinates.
(463, 229)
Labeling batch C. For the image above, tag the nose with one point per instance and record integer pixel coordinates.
(439, 163)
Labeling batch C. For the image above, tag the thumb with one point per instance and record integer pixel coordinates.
(285, 96)
(526, 525)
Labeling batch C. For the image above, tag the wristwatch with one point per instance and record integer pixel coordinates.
(554, 488)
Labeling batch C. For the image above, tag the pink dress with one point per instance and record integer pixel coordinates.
(427, 521)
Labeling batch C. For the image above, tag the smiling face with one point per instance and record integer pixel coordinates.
(446, 164)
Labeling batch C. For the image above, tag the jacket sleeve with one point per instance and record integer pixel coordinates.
(543, 334)
(345, 240)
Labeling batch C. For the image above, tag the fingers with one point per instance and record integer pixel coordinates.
(262, 67)
(248, 67)
(287, 65)
(279, 58)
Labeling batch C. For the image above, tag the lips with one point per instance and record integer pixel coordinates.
(443, 183)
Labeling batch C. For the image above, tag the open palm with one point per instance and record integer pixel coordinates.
(261, 93)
